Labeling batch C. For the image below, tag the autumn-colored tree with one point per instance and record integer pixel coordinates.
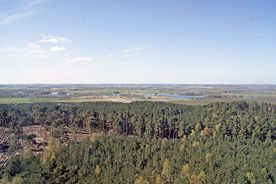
(186, 170)
(202, 177)
(194, 179)
(208, 157)
(158, 179)
(184, 138)
(198, 127)
(49, 152)
(195, 143)
(264, 170)
(166, 172)
(207, 131)
(152, 177)
(214, 134)
(97, 172)
(164, 141)
(250, 177)
(217, 127)
(182, 147)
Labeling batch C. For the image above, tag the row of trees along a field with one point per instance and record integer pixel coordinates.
(217, 143)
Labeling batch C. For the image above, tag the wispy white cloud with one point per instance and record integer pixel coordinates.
(33, 2)
(21, 52)
(119, 55)
(63, 39)
(52, 39)
(48, 41)
(6, 19)
(27, 8)
(33, 45)
(84, 59)
(56, 48)
(35, 49)
(127, 56)
(78, 59)
(118, 58)
(129, 50)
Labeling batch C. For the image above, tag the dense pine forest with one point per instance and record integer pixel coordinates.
(144, 142)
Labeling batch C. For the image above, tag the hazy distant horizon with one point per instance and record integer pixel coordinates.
(141, 84)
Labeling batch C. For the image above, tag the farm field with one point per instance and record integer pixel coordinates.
(15, 100)
(131, 93)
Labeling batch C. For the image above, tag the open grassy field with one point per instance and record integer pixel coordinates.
(14, 100)
(31, 100)
(202, 101)
(253, 94)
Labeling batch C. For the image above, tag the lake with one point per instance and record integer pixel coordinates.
(178, 96)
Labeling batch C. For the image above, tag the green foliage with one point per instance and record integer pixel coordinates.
(94, 137)
(140, 180)
(15, 180)
(120, 159)
(146, 142)
(250, 177)
(27, 154)
(144, 119)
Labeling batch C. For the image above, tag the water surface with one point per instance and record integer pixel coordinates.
(179, 96)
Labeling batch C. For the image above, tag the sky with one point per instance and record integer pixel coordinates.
(138, 41)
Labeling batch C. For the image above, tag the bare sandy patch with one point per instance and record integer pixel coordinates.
(98, 97)
(111, 100)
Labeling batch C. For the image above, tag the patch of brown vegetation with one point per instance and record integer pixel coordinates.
(39, 142)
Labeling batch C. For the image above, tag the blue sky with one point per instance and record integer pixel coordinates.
(138, 41)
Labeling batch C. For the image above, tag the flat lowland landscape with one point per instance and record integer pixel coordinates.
(203, 101)
(131, 93)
